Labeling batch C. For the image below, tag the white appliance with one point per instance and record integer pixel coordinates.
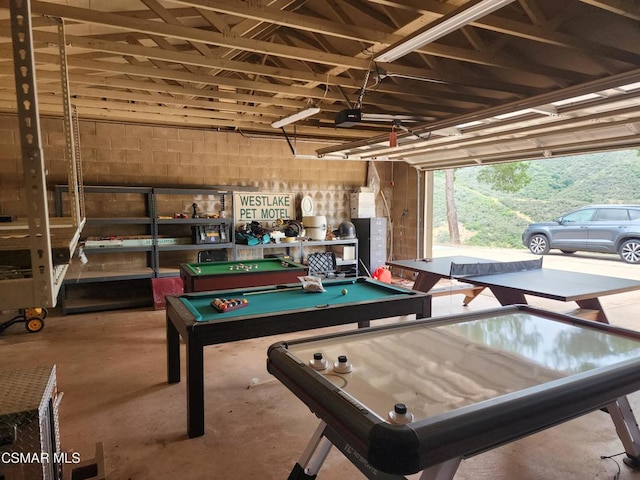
(315, 227)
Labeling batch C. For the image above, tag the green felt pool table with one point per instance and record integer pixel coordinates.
(204, 277)
(272, 310)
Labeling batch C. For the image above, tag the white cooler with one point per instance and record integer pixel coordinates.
(315, 227)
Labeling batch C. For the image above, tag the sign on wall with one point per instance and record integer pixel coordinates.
(262, 207)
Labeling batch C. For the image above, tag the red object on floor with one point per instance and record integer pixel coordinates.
(382, 274)
(165, 286)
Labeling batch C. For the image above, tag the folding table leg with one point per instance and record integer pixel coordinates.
(627, 429)
(313, 456)
(442, 471)
(324, 438)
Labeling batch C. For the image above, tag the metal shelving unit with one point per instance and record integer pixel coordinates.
(85, 289)
(48, 242)
(223, 200)
(110, 287)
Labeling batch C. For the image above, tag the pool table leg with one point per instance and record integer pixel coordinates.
(627, 429)
(195, 387)
(173, 353)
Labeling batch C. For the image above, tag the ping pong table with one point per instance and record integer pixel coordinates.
(510, 282)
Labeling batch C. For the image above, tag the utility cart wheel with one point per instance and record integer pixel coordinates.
(34, 324)
(35, 312)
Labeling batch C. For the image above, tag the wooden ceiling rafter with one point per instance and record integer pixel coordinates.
(456, 54)
(619, 7)
(244, 64)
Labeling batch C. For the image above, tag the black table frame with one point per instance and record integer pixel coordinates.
(384, 451)
(197, 335)
(431, 271)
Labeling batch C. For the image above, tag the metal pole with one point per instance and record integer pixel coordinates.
(32, 155)
(427, 245)
(419, 211)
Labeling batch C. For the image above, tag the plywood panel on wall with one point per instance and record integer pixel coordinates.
(405, 212)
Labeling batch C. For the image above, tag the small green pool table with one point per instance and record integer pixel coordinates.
(205, 277)
(272, 310)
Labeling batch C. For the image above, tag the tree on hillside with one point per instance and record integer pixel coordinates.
(452, 212)
(506, 177)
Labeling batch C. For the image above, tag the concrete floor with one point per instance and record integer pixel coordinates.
(111, 368)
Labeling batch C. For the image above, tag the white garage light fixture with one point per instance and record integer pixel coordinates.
(446, 24)
(301, 115)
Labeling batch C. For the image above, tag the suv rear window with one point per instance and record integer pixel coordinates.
(634, 214)
(611, 214)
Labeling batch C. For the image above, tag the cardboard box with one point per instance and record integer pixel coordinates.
(362, 212)
(345, 252)
(362, 205)
(362, 199)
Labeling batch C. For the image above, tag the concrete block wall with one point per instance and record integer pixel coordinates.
(12, 200)
(133, 154)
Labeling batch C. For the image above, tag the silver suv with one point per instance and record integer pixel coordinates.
(594, 228)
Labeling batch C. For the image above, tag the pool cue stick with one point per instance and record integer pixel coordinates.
(365, 268)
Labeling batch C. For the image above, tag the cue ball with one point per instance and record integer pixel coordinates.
(344, 291)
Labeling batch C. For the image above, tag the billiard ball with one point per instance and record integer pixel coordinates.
(344, 291)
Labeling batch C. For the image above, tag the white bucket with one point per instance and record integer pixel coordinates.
(315, 227)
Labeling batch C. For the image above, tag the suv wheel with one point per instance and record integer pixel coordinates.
(630, 251)
(539, 245)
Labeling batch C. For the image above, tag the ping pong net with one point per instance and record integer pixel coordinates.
(493, 268)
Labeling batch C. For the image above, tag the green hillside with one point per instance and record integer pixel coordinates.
(491, 218)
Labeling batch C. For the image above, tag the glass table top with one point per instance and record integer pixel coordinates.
(436, 368)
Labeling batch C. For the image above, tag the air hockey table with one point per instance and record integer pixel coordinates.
(422, 396)
(272, 310)
(207, 276)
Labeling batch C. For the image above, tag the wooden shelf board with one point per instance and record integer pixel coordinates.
(87, 276)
